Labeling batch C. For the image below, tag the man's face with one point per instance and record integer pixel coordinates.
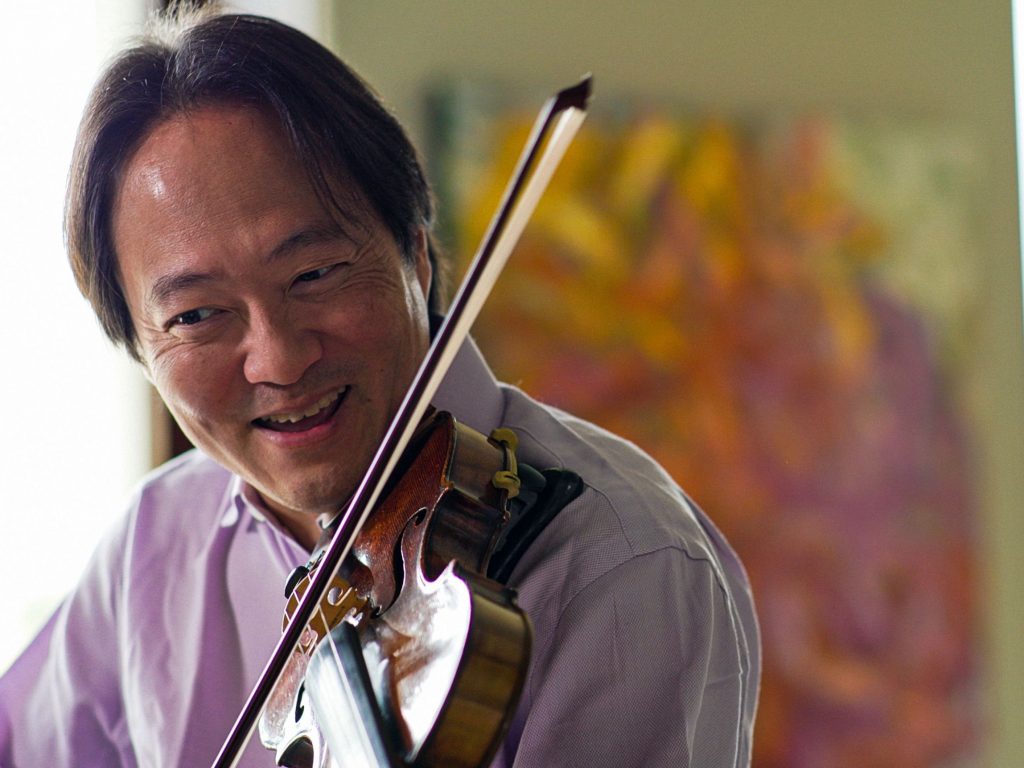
(282, 338)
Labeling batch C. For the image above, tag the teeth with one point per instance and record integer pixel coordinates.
(313, 410)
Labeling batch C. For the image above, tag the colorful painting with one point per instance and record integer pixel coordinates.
(774, 311)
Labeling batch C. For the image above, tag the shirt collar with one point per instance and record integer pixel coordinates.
(244, 499)
(468, 391)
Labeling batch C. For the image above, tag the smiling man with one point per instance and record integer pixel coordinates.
(253, 227)
(307, 327)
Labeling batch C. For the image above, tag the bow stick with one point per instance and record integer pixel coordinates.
(554, 129)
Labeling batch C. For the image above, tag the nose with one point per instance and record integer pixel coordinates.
(278, 350)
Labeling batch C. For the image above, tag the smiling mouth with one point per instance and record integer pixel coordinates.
(299, 421)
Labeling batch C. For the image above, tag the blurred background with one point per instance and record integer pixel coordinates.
(782, 257)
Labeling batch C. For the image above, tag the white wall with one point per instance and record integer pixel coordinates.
(76, 423)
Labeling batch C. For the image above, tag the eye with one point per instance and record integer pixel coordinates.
(314, 274)
(192, 317)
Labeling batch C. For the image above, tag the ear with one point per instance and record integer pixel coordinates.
(421, 261)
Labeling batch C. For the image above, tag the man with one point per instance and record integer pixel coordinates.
(254, 228)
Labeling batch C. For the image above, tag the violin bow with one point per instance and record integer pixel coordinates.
(553, 131)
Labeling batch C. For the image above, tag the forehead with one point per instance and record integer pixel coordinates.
(205, 149)
(219, 192)
(208, 159)
(222, 172)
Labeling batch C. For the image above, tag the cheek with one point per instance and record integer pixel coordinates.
(371, 321)
(398, 335)
(195, 385)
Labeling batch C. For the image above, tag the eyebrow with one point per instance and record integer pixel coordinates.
(167, 285)
(314, 234)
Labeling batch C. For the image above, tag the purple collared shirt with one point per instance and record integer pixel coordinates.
(646, 647)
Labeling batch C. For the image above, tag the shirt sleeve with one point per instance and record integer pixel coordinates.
(60, 703)
(647, 667)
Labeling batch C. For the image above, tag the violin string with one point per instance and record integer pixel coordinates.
(356, 724)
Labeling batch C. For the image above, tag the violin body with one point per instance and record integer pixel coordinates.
(417, 654)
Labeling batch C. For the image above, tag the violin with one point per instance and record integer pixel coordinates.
(444, 654)
(397, 650)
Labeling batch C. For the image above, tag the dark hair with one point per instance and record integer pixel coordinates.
(337, 127)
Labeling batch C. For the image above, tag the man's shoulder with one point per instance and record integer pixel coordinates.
(191, 471)
(626, 489)
(632, 521)
(189, 487)
(631, 513)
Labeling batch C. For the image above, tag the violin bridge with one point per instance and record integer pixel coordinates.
(340, 603)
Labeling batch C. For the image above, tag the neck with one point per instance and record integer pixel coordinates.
(303, 527)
